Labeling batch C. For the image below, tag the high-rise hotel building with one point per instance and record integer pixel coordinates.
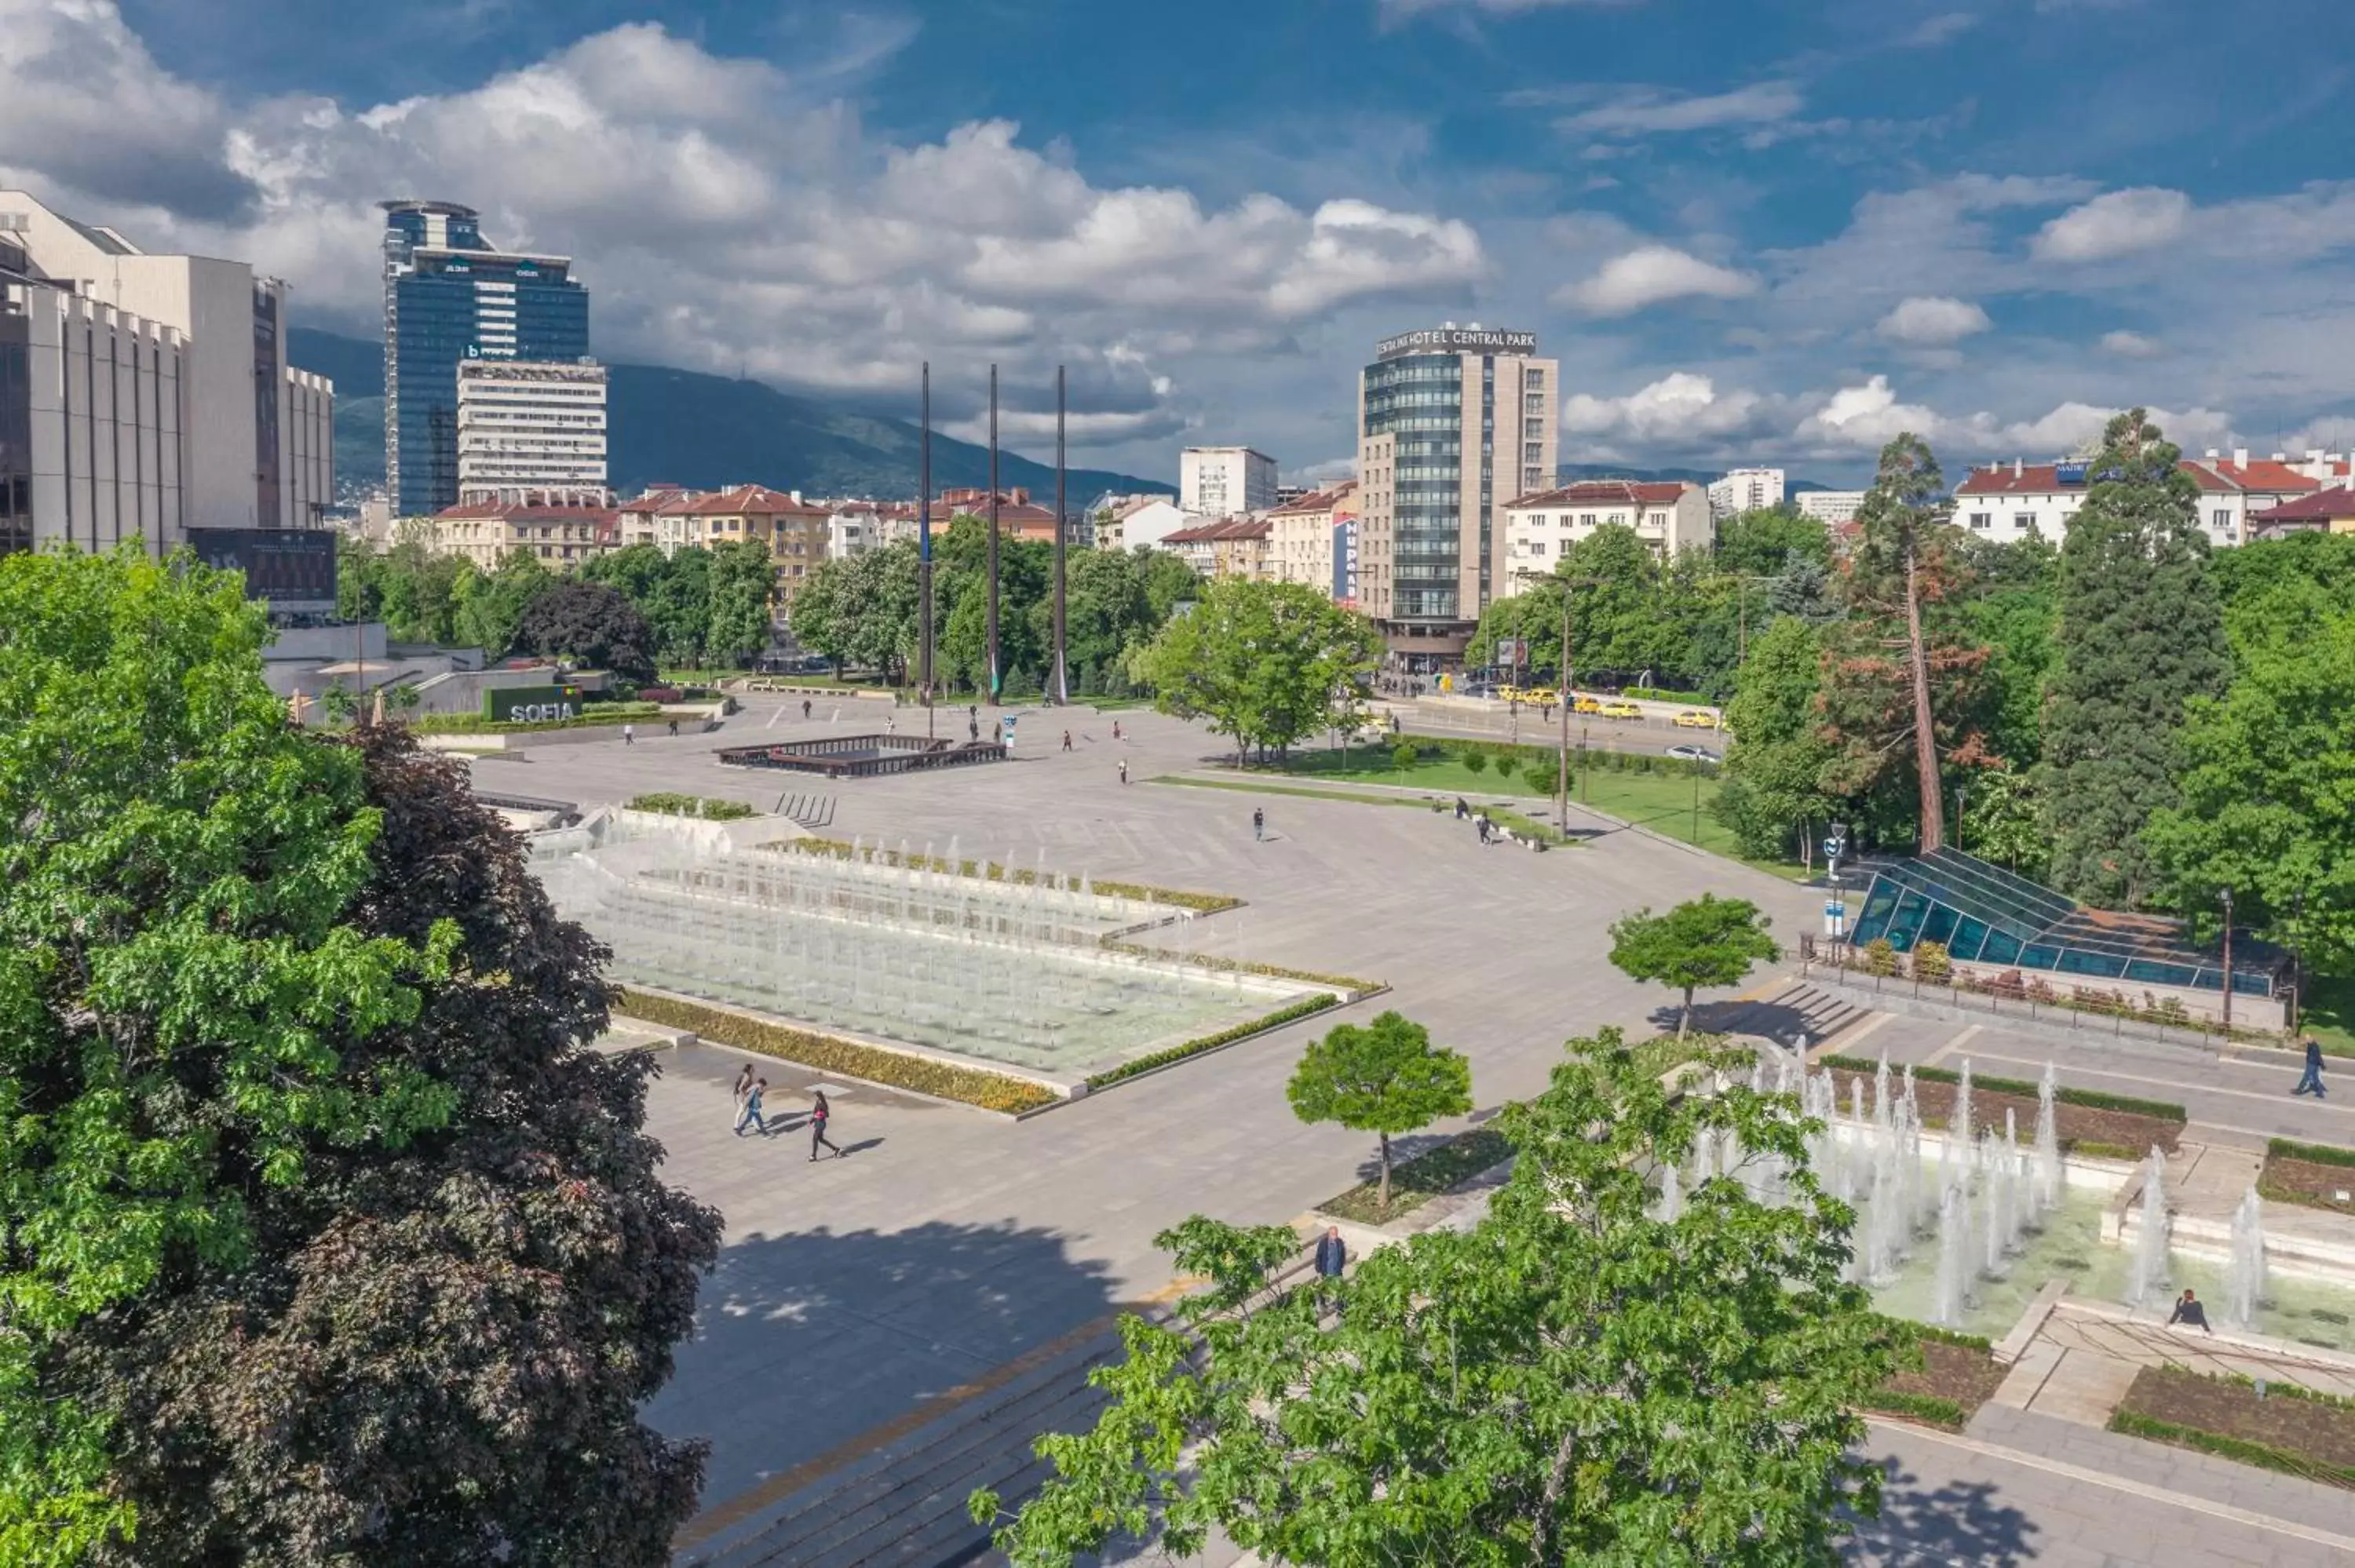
(450, 296)
(1453, 423)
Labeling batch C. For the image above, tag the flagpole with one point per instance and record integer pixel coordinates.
(993, 681)
(1062, 678)
(924, 551)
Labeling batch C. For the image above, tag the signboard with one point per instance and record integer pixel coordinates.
(1511, 652)
(531, 704)
(293, 568)
(1456, 340)
(1005, 726)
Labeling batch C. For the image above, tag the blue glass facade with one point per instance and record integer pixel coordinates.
(448, 297)
(1419, 399)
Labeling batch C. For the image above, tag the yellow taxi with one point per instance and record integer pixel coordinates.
(1620, 710)
(1696, 718)
(1586, 705)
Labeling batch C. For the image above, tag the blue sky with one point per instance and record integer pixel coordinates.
(1774, 231)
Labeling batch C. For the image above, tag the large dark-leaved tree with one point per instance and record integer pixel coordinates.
(588, 624)
(328, 1241)
(2141, 634)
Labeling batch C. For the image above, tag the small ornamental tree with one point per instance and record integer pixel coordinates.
(1383, 1078)
(1573, 1380)
(1709, 941)
(590, 624)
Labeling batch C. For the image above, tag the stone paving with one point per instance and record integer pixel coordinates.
(947, 1242)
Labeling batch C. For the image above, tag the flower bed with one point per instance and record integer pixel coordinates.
(710, 810)
(828, 1053)
(2086, 1120)
(1283, 1015)
(1958, 1372)
(2291, 1429)
(2312, 1174)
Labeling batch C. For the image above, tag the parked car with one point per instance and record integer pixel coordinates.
(1621, 710)
(1695, 754)
(1586, 705)
(1696, 718)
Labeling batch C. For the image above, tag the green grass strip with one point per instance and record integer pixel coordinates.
(2313, 1153)
(1249, 787)
(2264, 1456)
(1924, 1407)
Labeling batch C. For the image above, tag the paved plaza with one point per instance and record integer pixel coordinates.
(948, 1242)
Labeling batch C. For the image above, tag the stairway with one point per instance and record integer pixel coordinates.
(904, 1503)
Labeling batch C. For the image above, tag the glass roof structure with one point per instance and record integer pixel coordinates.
(1986, 915)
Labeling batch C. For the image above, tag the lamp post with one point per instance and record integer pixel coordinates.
(2228, 962)
(1569, 692)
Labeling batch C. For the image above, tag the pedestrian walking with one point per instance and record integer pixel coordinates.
(2189, 1313)
(1259, 823)
(890, 723)
(629, 734)
(1462, 810)
(1123, 770)
(674, 729)
(818, 1114)
(750, 1115)
(2310, 1083)
(744, 1087)
(805, 708)
(972, 728)
(1115, 729)
(1067, 740)
(1332, 1258)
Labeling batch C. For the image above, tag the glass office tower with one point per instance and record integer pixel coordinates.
(450, 296)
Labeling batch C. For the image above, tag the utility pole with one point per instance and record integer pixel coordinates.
(1061, 694)
(2228, 963)
(993, 537)
(1569, 691)
(924, 551)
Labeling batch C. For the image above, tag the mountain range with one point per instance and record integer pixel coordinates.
(705, 431)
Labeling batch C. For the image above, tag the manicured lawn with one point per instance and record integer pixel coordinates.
(2328, 1013)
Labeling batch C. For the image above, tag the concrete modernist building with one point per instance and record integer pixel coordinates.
(1303, 534)
(1222, 481)
(1452, 422)
(1745, 490)
(1830, 507)
(449, 297)
(143, 396)
(1540, 529)
(529, 429)
(2007, 501)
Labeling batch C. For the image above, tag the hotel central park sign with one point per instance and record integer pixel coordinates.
(1456, 340)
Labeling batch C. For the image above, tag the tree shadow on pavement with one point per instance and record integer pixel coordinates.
(1954, 1524)
(805, 1342)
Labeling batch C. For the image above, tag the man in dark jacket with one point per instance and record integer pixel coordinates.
(2311, 1082)
(2190, 1314)
(1332, 1257)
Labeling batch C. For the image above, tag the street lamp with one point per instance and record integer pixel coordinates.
(1835, 906)
(1569, 691)
(2228, 964)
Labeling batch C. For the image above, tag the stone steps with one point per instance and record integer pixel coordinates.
(904, 1503)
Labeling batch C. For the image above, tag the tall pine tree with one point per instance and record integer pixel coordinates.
(2141, 632)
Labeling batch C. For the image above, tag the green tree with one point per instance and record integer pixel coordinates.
(1571, 1379)
(1267, 663)
(1775, 764)
(1904, 692)
(591, 625)
(1383, 1078)
(2141, 633)
(678, 610)
(741, 581)
(1761, 543)
(2001, 821)
(490, 608)
(2266, 776)
(1706, 941)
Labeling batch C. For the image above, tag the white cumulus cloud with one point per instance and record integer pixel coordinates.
(2117, 223)
(1651, 275)
(1932, 321)
(1866, 417)
(2131, 345)
(1680, 410)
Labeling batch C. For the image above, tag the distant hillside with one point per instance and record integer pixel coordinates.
(708, 430)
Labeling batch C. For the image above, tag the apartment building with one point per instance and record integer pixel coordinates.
(1230, 547)
(1669, 517)
(796, 533)
(529, 428)
(1303, 536)
(1225, 481)
(560, 535)
(1745, 490)
(2011, 502)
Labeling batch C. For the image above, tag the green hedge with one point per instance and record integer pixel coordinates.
(674, 805)
(1654, 694)
(827, 1054)
(2092, 1099)
(1301, 1008)
(475, 723)
(2313, 1153)
(990, 871)
(1926, 1407)
(2133, 1424)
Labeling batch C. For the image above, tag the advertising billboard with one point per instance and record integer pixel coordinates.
(1456, 340)
(293, 568)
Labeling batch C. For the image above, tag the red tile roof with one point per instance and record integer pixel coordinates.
(2264, 477)
(2322, 506)
(2212, 477)
(1607, 493)
(1220, 532)
(1320, 500)
(2033, 478)
(747, 499)
(515, 512)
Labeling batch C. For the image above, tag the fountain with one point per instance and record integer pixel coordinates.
(879, 943)
(1672, 1203)
(2150, 1244)
(2245, 1274)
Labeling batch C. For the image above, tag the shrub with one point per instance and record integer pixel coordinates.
(1508, 764)
(1404, 755)
(1923, 1407)
(1474, 762)
(692, 806)
(1931, 963)
(946, 1080)
(1880, 957)
(2313, 1153)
